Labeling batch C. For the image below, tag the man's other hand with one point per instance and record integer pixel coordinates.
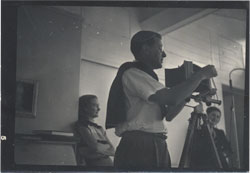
(208, 72)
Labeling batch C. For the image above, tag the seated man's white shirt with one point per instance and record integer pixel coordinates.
(141, 114)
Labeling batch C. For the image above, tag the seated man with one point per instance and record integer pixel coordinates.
(94, 147)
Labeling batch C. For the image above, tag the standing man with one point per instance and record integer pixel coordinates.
(138, 104)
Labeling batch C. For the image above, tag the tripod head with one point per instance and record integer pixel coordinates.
(198, 112)
(199, 108)
(206, 97)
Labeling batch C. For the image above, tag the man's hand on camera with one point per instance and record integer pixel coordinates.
(208, 72)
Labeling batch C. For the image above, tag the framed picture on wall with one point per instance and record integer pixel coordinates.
(26, 98)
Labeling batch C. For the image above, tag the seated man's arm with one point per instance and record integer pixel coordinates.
(94, 149)
(110, 151)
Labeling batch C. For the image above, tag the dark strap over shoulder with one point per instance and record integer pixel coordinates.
(116, 112)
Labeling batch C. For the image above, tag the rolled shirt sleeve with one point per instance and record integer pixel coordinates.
(140, 84)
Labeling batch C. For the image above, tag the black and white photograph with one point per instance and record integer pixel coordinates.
(125, 86)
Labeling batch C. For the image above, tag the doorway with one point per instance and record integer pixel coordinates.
(238, 95)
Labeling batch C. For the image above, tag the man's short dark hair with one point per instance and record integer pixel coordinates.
(141, 38)
(212, 108)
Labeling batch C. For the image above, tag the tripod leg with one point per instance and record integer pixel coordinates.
(184, 161)
(211, 139)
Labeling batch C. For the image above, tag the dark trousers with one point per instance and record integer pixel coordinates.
(142, 151)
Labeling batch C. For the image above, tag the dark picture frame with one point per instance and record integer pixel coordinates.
(26, 98)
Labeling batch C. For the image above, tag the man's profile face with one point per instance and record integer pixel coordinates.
(89, 110)
(154, 54)
(93, 108)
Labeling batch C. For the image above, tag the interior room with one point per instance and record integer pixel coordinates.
(64, 52)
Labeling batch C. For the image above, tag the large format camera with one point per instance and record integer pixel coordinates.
(178, 75)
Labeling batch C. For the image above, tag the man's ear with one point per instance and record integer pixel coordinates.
(145, 49)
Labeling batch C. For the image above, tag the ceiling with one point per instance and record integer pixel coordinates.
(164, 20)
(233, 14)
(229, 22)
(144, 13)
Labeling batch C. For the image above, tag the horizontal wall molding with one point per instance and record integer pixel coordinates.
(99, 63)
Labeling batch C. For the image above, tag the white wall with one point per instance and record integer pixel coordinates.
(96, 79)
(105, 40)
(105, 45)
(50, 55)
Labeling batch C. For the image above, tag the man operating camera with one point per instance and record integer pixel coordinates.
(138, 104)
